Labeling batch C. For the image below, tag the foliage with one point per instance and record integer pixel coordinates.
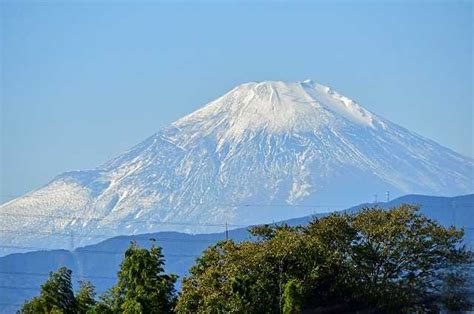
(455, 292)
(56, 295)
(383, 260)
(85, 297)
(142, 285)
(292, 298)
(393, 260)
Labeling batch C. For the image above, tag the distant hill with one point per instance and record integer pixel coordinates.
(22, 273)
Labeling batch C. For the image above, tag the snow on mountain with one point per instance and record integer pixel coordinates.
(263, 151)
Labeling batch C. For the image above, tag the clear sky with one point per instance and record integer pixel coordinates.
(83, 81)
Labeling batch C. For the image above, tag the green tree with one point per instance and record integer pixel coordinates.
(455, 294)
(382, 260)
(245, 277)
(207, 289)
(402, 256)
(142, 286)
(292, 298)
(107, 304)
(35, 305)
(85, 297)
(56, 295)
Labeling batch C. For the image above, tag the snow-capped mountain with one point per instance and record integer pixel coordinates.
(263, 151)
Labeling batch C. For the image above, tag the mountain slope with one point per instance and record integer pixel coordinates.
(263, 151)
(99, 263)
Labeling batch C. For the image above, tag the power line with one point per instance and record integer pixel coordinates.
(108, 236)
(59, 234)
(234, 204)
(13, 304)
(18, 288)
(163, 222)
(100, 219)
(34, 274)
(468, 205)
(225, 225)
(88, 251)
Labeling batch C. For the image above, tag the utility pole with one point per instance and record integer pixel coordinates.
(72, 241)
(388, 196)
(226, 232)
(454, 213)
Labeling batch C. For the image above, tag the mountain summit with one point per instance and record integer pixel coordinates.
(263, 151)
(277, 108)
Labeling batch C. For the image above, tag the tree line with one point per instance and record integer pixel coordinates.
(374, 261)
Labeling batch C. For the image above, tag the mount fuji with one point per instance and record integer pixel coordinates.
(261, 152)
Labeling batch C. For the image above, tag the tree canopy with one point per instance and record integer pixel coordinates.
(57, 296)
(142, 285)
(378, 260)
(383, 260)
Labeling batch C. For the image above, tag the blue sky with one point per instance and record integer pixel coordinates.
(84, 81)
